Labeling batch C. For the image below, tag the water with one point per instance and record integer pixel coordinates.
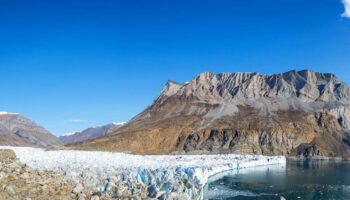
(316, 180)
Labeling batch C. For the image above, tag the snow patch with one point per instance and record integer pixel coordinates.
(70, 133)
(7, 113)
(119, 123)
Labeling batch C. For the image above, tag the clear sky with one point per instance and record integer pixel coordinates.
(69, 64)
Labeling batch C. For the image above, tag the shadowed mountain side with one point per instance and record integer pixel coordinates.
(89, 133)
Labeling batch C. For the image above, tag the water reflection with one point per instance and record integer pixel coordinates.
(298, 180)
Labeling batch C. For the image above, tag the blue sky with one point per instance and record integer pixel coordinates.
(72, 64)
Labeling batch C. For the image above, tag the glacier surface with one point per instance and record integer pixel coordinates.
(161, 176)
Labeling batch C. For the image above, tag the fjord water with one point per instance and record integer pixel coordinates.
(316, 180)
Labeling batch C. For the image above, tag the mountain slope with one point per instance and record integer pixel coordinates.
(297, 113)
(16, 130)
(89, 133)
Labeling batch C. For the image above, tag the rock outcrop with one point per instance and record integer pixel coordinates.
(297, 113)
(19, 181)
(16, 130)
(89, 133)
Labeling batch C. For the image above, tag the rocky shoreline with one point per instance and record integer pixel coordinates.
(20, 182)
(319, 158)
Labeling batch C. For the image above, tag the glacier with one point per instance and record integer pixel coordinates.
(156, 176)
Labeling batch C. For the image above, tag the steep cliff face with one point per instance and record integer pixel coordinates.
(297, 113)
(16, 130)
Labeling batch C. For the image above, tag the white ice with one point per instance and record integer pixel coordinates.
(107, 164)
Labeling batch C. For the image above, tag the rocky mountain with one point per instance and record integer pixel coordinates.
(297, 113)
(17, 130)
(89, 133)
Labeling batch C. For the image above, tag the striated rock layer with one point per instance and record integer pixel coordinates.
(297, 114)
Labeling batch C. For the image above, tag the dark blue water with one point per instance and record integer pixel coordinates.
(316, 180)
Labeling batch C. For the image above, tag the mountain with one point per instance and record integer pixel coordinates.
(90, 133)
(17, 130)
(297, 114)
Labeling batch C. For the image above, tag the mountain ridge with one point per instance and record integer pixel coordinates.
(89, 133)
(220, 113)
(17, 130)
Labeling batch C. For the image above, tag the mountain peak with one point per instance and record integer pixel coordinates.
(292, 113)
(205, 75)
(307, 85)
(171, 88)
(304, 90)
(17, 130)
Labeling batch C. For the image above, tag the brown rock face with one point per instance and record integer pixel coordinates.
(301, 113)
(17, 130)
(293, 133)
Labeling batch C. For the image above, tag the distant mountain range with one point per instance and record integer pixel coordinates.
(90, 133)
(296, 113)
(17, 130)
